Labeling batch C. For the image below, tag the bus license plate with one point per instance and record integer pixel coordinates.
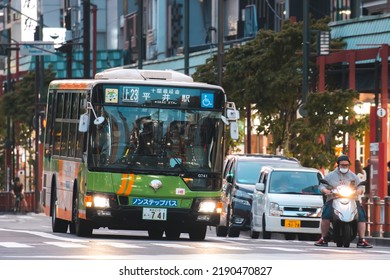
(156, 214)
(292, 223)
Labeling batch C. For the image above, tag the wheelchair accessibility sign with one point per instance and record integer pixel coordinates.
(207, 100)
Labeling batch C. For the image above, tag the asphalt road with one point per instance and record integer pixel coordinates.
(30, 237)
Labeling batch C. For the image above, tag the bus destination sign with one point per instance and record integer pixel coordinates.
(135, 95)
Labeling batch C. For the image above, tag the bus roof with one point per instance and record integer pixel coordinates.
(124, 75)
(140, 74)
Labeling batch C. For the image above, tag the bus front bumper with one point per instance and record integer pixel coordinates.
(134, 218)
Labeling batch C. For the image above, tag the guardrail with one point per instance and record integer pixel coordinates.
(378, 215)
(7, 201)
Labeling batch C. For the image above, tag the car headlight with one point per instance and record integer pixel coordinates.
(274, 209)
(242, 197)
(241, 201)
(207, 206)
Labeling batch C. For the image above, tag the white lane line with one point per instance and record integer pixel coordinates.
(226, 247)
(173, 245)
(46, 235)
(14, 245)
(281, 249)
(66, 244)
(120, 245)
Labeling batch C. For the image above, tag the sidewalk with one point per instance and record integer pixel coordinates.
(378, 241)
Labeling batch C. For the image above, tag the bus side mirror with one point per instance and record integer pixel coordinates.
(234, 130)
(84, 123)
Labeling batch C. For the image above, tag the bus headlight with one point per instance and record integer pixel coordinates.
(207, 206)
(101, 201)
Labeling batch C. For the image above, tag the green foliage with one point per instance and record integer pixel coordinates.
(19, 106)
(266, 74)
(330, 116)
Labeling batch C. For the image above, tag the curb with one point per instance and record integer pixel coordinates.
(378, 241)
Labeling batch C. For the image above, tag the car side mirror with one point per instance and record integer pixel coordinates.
(260, 187)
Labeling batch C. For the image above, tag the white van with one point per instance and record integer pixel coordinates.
(287, 200)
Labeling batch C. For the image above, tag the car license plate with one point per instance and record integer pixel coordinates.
(292, 223)
(156, 214)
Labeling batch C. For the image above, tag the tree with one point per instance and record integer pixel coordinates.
(265, 74)
(19, 106)
(330, 117)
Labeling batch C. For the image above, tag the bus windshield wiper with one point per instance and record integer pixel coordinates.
(179, 163)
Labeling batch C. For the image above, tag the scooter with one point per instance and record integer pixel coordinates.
(344, 222)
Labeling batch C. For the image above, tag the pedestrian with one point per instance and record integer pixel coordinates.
(388, 178)
(359, 170)
(361, 173)
(18, 192)
(367, 168)
(342, 175)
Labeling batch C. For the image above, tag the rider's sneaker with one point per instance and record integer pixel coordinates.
(362, 243)
(321, 242)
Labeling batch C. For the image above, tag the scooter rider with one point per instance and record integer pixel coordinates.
(342, 175)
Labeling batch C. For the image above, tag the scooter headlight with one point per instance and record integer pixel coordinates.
(345, 192)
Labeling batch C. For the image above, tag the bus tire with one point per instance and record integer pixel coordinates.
(155, 233)
(198, 232)
(72, 225)
(221, 231)
(172, 234)
(80, 227)
(58, 225)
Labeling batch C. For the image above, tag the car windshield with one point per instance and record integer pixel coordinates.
(294, 182)
(248, 172)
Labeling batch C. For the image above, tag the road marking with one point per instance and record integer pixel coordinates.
(120, 245)
(227, 247)
(173, 245)
(345, 250)
(46, 235)
(14, 245)
(281, 249)
(66, 244)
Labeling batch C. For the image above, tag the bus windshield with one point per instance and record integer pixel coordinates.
(134, 139)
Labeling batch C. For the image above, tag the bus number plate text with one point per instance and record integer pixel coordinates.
(156, 214)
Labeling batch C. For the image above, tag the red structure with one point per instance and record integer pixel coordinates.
(351, 57)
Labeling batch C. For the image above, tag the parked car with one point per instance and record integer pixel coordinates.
(240, 174)
(287, 200)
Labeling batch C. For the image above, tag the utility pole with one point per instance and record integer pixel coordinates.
(186, 36)
(86, 38)
(38, 92)
(220, 40)
(306, 53)
(140, 35)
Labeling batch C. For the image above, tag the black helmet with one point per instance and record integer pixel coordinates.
(342, 158)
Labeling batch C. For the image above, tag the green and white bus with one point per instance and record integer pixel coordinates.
(135, 150)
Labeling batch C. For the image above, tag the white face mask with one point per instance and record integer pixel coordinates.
(343, 170)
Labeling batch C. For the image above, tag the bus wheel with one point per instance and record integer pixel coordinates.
(198, 232)
(172, 234)
(58, 225)
(72, 225)
(155, 233)
(79, 226)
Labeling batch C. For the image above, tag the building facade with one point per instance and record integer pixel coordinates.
(92, 35)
